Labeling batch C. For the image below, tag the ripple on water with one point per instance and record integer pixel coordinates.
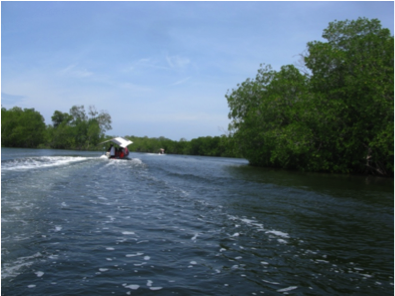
(147, 229)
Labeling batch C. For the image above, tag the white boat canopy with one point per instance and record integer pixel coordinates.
(119, 141)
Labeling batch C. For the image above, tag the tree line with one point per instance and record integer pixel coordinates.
(221, 146)
(334, 115)
(85, 130)
(77, 130)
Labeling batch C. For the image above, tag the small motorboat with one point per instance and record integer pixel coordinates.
(120, 152)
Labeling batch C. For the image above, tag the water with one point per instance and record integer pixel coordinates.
(76, 224)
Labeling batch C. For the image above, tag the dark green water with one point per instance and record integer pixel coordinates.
(76, 224)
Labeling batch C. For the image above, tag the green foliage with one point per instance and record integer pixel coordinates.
(21, 128)
(205, 146)
(78, 130)
(26, 128)
(59, 117)
(270, 129)
(338, 119)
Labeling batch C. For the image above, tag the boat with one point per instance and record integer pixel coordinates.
(121, 152)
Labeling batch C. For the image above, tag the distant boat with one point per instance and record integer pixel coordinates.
(120, 152)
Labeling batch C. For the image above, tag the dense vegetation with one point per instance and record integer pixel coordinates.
(22, 128)
(207, 146)
(338, 116)
(81, 130)
(77, 130)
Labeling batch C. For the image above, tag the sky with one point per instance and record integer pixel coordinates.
(158, 68)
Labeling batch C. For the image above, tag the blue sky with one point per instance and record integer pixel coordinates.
(158, 68)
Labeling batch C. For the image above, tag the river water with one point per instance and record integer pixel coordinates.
(73, 223)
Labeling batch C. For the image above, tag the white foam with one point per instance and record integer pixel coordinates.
(39, 273)
(103, 269)
(128, 232)
(143, 241)
(278, 233)
(147, 257)
(155, 288)
(140, 264)
(41, 162)
(12, 269)
(366, 275)
(133, 255)
(133, 287)
(137, 161)
(321, 261)
(287, 289)
(54, 257)
(248, 221)
(273, 283)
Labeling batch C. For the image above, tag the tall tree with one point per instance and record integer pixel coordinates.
(353, 79)
(79, 130)
(266, 125)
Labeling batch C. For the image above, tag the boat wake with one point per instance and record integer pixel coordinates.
(38, 162)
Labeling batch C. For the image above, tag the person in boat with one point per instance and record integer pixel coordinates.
(121, 153)
(112, 151)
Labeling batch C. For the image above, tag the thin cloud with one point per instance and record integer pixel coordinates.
(177, 61)
(133, 87)
(74, 70)
(146, 63)
(181, 81)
